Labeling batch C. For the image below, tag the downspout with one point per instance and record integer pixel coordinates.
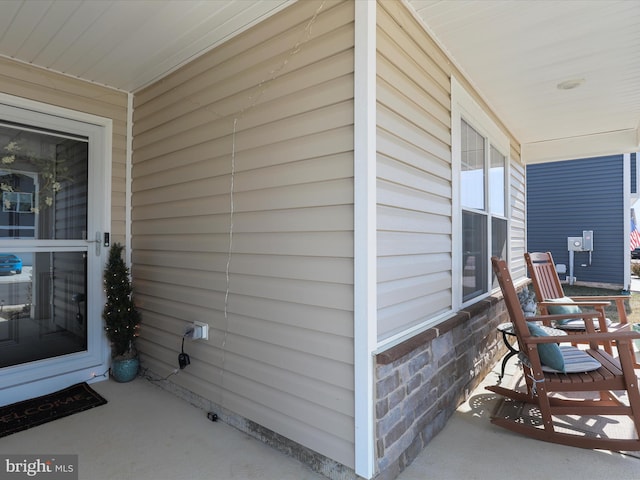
(365, 280)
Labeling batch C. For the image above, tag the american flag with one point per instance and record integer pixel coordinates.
(634, 237)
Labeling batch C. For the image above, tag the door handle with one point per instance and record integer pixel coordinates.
(97, 241)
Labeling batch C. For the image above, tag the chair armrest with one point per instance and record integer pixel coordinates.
(562, 316)
(594, 303)
(617, 299)
(588, 298)
(619, 336)
(586, 316)
(621, 339)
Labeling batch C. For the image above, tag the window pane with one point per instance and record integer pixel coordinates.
(43, 180)
(498, 243)
(497, 182)
(472, 168)
(474, 254)
(43, 310)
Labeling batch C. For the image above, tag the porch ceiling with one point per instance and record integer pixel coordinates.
(515, 52)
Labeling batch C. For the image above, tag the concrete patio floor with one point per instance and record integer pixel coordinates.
(472, 448)
(147, 433)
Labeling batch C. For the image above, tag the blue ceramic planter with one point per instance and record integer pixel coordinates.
(125, 370)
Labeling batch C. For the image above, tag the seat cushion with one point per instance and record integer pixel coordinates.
(575, 361)
(550, 353)
(560, 309)
(569, 323)
(578, 324)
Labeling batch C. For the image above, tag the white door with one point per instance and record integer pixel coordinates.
(52, 223)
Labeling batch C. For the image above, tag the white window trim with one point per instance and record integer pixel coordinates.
(463, 106)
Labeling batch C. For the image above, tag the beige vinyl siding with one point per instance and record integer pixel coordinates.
(518, 230)
(51, 88)
(414, 174)
(276, 105)
(414, 179)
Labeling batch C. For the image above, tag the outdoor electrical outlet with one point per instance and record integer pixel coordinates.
(197, 331)
(200, 331)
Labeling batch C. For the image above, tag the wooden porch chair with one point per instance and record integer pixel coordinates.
(546, 386)
(550, 294)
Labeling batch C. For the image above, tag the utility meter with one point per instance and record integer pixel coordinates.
(581, 244)
(574, 244)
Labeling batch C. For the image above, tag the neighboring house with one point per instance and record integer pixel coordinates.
(325, 192)
(566, 198)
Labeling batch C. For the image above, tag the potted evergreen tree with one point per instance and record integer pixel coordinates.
(121, 317)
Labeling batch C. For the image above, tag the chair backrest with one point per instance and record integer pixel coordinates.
(543, 275)
(510, 298)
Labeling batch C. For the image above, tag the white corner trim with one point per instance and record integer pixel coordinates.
(626, 199)
(128, 179)
(365, 280)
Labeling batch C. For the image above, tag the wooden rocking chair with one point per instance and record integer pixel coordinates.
(549, 292)
(552, 299)
(545, 385)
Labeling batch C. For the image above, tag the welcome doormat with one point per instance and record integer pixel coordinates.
(31, 413)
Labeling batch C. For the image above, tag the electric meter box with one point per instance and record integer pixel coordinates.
(581, 244)
(574, 244)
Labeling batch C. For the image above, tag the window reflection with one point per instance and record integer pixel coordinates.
(43, 180)
(497, 182)
(42, 305)
(474, 239)
(472, 173)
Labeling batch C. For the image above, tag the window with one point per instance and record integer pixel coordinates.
(17, 202)
(480, 180)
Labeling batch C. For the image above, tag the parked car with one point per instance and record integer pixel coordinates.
(10, 263)
(635, 253)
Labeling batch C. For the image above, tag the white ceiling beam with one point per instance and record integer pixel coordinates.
(596, 145)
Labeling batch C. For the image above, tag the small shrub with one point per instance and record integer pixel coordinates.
(635, 269)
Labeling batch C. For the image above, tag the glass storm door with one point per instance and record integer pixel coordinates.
(46, 255)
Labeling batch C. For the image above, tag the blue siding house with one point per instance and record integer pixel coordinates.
(568, 197)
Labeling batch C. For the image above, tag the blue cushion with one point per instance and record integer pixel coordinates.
(560, 309)
(550, 353)
(575, 361)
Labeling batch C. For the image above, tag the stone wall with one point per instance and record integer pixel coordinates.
(421, 382)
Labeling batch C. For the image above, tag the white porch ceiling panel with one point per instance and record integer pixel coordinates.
(515, 52)
(125, 44)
